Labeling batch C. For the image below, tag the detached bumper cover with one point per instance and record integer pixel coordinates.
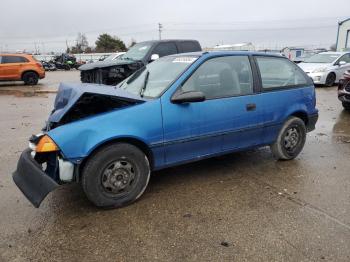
(312, 119)
(34, 183)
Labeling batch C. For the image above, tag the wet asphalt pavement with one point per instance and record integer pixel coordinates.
(240, 207)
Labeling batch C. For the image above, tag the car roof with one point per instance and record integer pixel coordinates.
(223, 53)
(168, 40)
(334, 53)
(15, 54)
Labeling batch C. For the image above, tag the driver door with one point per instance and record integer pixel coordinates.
(164, 49)
(229, 118)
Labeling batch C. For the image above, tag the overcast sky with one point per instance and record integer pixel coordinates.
(266, 23)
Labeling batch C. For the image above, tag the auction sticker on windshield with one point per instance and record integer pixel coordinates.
(185, 59)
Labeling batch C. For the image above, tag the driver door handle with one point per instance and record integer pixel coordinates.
(251, 107)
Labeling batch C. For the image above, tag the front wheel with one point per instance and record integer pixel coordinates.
(290, 140)
(330, 80)
(116, 175)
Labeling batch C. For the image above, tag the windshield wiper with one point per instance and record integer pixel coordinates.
(143, 88)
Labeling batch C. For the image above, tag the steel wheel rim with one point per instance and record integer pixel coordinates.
(118, 178)
(291, 139)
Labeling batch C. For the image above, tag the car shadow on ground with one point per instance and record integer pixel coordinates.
(227, 167)
(18, 84)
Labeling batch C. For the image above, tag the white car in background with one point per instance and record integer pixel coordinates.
(326, 68)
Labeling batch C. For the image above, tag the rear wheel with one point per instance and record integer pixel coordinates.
(30, 78)
(346, 105)
(330, 80)
(116, 175)
(290, 140)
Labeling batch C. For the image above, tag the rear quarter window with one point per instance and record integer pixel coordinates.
(280, 73)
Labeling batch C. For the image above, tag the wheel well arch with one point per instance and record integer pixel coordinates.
(332, 73)
(29, 71)
(133, 141)
(302, 115)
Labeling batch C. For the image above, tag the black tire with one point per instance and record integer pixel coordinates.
(346, 106)
(330, 80)
(112, 168)
(290, 140)
(30, 78)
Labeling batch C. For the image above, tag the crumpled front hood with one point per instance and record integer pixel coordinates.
(69, 93)
(102, 64)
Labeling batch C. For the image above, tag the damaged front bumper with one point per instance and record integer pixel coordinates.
(38, 174)
(29, 177)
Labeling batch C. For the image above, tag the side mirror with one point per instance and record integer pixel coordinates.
(341, 63)
(154, 57)
(188, 97)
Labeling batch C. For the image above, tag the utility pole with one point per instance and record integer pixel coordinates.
(160, 28)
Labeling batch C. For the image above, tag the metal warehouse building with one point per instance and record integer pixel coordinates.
(343, 37)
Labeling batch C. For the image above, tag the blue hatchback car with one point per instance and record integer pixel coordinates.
(175, 110)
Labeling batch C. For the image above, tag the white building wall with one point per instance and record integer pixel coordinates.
(343, 39)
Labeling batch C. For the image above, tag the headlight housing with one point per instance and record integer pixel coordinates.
(46, 144)
(320, 70)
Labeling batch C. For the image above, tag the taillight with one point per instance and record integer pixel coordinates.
(39, 64)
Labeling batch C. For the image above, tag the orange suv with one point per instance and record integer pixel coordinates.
(20, 67)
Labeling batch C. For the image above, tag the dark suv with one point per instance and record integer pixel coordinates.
(113, 72)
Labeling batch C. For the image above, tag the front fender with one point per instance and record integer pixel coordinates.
(142, 122)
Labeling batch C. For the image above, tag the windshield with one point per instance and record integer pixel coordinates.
(321, 58)
(138, 51)
(153, 79)
(109, 58)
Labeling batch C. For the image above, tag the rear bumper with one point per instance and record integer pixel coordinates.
(29, 177)
(42, 74)
(311, 123)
